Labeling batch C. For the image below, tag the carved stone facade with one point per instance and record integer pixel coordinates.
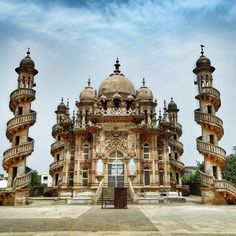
(116, 139)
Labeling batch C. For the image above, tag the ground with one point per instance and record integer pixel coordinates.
(172, 219)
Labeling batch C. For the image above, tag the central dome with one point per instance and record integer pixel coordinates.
(116, 82)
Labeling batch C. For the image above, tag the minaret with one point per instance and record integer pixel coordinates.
(14, 159)
(213, 188)
(176, 147)
(212, 130)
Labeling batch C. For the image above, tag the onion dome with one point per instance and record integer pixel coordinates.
(172, 106)
(103, 98)
(116, 82)
(130, 97)
(61, 108)
(203, 62)
(27, 63)
(144, 93)
(88, 93)
(116, 96)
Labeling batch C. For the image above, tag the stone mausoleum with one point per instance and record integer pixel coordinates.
(116, 139)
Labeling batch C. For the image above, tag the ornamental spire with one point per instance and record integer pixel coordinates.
(117, 66)
(202, 51)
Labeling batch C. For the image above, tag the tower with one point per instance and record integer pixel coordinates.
(14, 159)
(176, 147)
(214, 189)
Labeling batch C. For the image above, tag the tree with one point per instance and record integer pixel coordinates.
(193, 177)
(36, 179)
(230, 171)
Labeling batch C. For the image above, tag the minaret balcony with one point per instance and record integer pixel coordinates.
(211, 150)
(176, 144)
(177, 164)
(55, 166)
(22, 181)
(57, 146)
(225, 186)
(14, 153)
(19, 121)
(211, 120)
(20, 94)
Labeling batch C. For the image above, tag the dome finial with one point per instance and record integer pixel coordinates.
(28, 52)
(171, 99)
(117, 66)
(143, 82)
(62, 100)
(202, 51)
(89, 82)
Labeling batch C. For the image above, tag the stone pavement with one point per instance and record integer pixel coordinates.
(137, 220)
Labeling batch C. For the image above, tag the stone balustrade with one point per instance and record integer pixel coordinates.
(225, 185)
(22, 91)
(211, 149)
(206, 180)
(177, 163)
(214, 120)
(212, 91)
(176, 144)
(56, 164)
(20, 150)
(22, 181)
(21, 120)
(57, 145)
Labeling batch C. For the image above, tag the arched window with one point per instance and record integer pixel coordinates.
(85, 177)
(146, 151)
(116, 102)
(86, 152)
(146, 177)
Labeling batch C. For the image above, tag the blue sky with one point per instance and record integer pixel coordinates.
(72, 41)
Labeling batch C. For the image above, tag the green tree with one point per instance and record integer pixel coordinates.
(230, 171)
(36, 179)
(193, 177)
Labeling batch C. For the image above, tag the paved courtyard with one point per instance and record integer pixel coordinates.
(137, 220)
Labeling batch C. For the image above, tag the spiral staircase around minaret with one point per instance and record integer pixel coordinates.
(214, 189)
(14, 159)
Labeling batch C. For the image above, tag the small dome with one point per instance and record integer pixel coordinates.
(172, 106)
(144, 93)
(103, 98)
(130, 97)
(61, 108)
(27, 63)
(203, 62)
(88, 93)
(116, 82)
(116, 96)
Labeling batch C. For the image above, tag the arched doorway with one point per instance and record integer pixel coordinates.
(116, 169)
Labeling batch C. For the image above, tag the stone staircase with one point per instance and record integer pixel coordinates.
(108, 195)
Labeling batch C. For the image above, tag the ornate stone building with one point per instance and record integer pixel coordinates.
(116, 139)
(14, 159)
(214, 188)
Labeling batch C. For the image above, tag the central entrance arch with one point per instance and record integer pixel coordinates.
(116, 169)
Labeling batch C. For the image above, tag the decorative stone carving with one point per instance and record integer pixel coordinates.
(116, 139)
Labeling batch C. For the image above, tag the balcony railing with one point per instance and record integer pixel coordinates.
(206, 180)
(57, 145)
(177, 144)
(21, 150)
(208, 118)
(22, 181)
(56, 164)
(211, 149)
(177, 163)
(225, 185)
(23, 119)
(211, 91)
(22, 91)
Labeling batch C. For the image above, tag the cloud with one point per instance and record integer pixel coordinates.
(158, 40)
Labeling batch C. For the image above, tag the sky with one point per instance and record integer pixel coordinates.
(71, 41)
